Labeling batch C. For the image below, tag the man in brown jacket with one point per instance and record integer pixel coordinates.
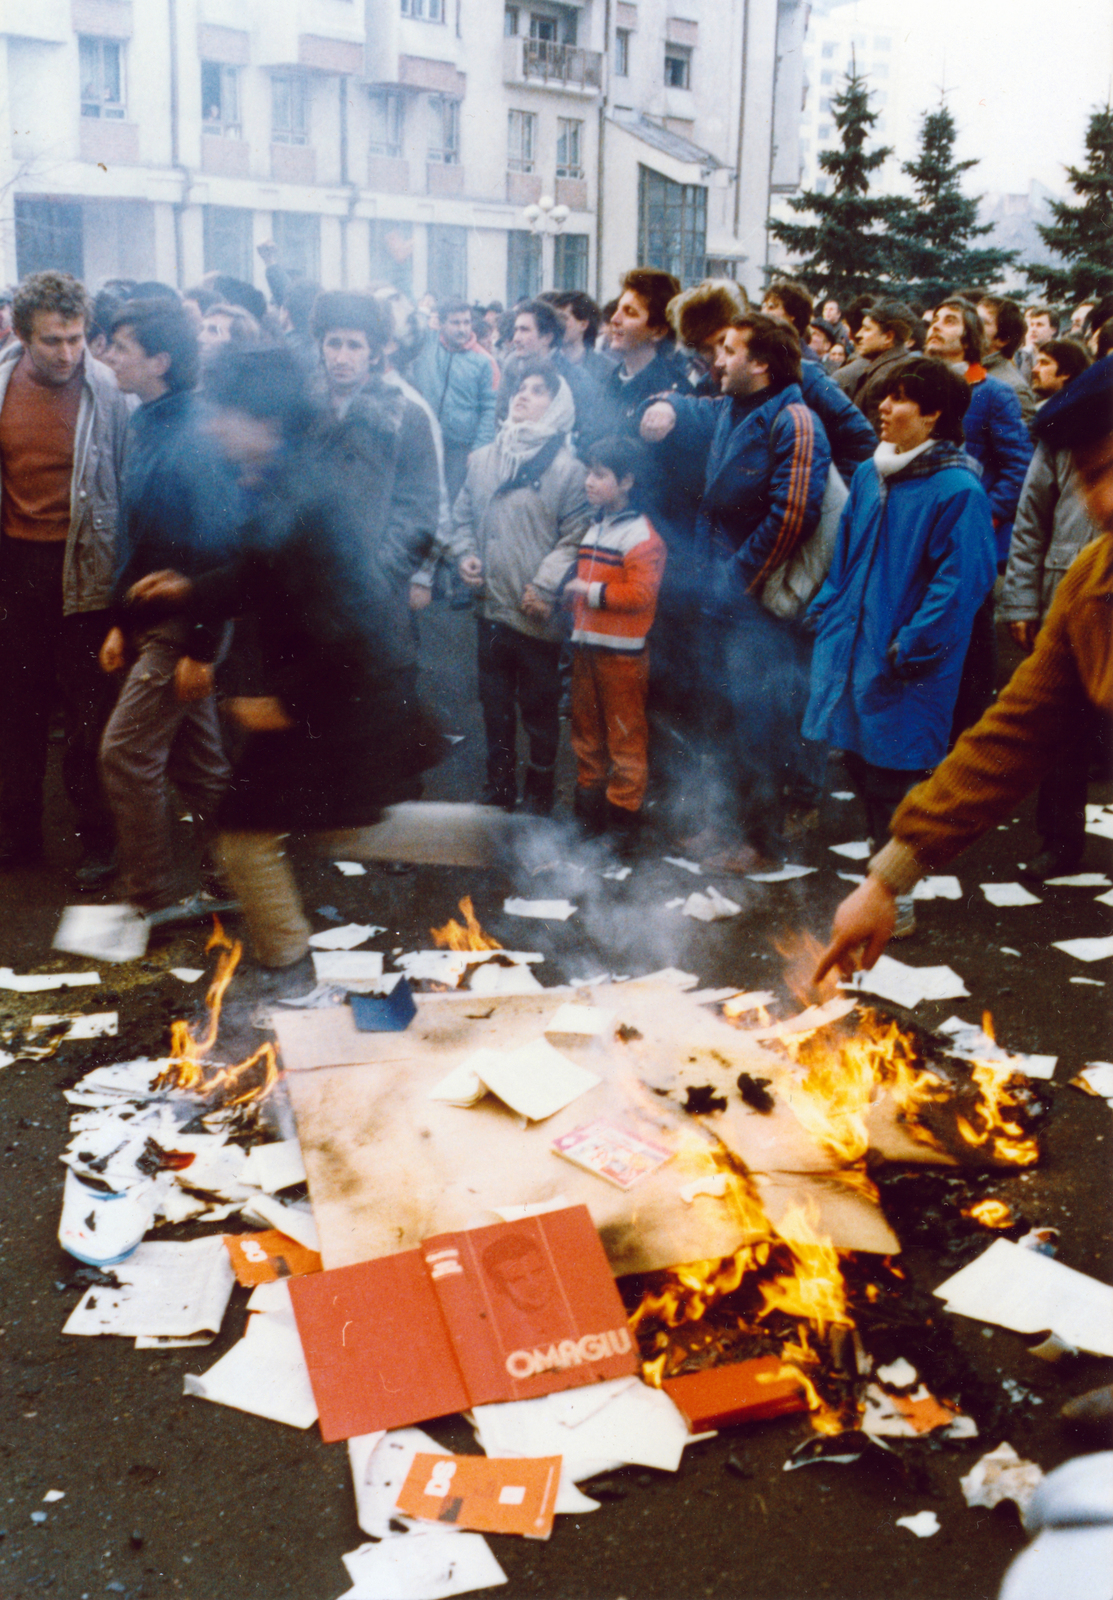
(1015, 744)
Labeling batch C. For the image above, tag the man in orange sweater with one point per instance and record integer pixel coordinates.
(1007, 753)
(614, 599)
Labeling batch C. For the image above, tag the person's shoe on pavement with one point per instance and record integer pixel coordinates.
(97, 865)
(1056, 862)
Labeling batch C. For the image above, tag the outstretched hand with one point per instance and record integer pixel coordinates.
(862, 928)
(167, 588)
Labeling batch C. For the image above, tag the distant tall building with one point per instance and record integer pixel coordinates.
(863, 32)
(396, 140)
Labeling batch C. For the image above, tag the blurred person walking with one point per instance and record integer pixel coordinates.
(63, 423)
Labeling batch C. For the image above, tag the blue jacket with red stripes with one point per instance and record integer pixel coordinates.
(767, 463)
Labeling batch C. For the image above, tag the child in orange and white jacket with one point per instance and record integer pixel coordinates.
(614, 599)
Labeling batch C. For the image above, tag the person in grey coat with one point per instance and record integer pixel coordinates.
(1051, 527)
(517, 527)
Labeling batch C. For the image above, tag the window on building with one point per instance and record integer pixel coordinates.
(622, 52)
(825, 130)
(444, 129)
(522, 141)
(392, 253)
(102, 77)
(448, 261)
(570, 261)
(569, 148)
(49, 236)
(424, 10)
(523, 265)
(511, 20)
(543, 28)
(826, 77)
(387, 122)
(298, 237)
(289, 108)
(829, 48)
(821, 186)
(228, 247)
(220, 99)
(678, 66)
(672, 225)
(825, 106)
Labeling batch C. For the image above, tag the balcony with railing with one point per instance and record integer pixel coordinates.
(542, 64)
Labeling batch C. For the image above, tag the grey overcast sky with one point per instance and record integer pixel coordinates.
(1022, 77)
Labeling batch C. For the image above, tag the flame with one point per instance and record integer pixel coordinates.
(998, 1129)
(814, 1290)
(188, 1051)
(469, 936)
(990, 1213)
(801, 954)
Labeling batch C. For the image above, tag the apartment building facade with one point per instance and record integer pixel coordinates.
(396, 141)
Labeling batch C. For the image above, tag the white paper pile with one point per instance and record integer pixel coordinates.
(493, 978)
(535, 1080)
(1001, 1475)
(264, 1373)
(1009, 894)
(107, 933)
(710, 906)
(594, 1429)
(543, 910)
(1032, 1293)
(345, 938)
(431, 1567)
(971, 1043)
(908, 986)
(166, 1290)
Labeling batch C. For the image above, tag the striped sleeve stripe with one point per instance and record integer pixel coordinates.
(803, 454)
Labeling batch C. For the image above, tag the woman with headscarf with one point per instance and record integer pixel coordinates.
(517, 525)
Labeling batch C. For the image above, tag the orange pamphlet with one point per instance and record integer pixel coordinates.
(506, 1312)
(265, 1257)
(490, 1495)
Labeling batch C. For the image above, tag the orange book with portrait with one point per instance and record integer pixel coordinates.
(506, 1312)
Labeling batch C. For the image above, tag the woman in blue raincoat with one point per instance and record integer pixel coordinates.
(914, 559)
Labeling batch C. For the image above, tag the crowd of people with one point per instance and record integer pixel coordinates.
(720, 541)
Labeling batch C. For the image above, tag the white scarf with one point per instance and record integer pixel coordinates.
(517, 442)
(887, 459)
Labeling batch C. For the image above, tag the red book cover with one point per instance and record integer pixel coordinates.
(531, 1306)
(745, 1391)
(507, 1312)
(376, 1346)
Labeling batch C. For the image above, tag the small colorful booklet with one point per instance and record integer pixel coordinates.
(612, 1151)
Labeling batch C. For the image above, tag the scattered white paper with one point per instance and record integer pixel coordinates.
(855, 850)
(536, 1208)
(851, 877)
(1098, 1077)
(380, 1464)
(1104, 899)
(1001, 1475)
(673, 975)
(685, 865)
(616, 874)
(842, 794)
(923, 1524)
(295, 1220)
(805, 1021)
(347, 966)
(1032, 1293)
(1099, 820)
(492, 978)
(1086, 949)
(1007, 951)
(710, 906)
(1009, 894)
(265, 1373)
(351, 869)
(462, 1086)
(623, 1421)
(170, 1290)
(535, 1080)
(544, 910)
(1095, 983)
(274, 1166)
(273, 1296)
(783, 876)
(36, 982)
(53, 1495)
(899, 1374)
(573, 1018)
(107, 933)
(674, 905)
(1079, 880)
(908, 986)
(940, 888)
(187, 974)
(430, 1567)
(95, 1025)
(345, 938)
(971, 1043)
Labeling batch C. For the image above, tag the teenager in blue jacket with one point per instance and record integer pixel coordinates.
(915, 558)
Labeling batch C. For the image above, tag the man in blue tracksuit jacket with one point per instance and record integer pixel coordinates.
(457, 383)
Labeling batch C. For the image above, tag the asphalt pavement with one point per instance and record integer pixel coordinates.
(167, 1496)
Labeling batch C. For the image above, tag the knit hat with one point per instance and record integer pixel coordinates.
(1081, 413)
(700, 313)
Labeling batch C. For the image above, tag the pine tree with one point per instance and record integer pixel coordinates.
(933, 237)
(1083, 234)
(846, 250)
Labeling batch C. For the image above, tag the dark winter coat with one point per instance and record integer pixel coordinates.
(913, 562)
(850, 436)
(998, 440)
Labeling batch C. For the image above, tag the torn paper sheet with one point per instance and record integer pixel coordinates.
(1104, 899)
(351, 869)
(1093, 983)
(493, 978)
(37, 982)
(1001, 1475)
(939, 888)
(488, 1496)
(170, 1290)
(898, 1374)
(449, 966)
(348, 966)
(543, 910)
(1099, 820)
(345, 938)
(580, 1019)
(783, 876)
(265, 1373)
(1096, 1078)
(94, 1025)
(908, 986)
(740, 1003)
(908, 1416)
(431, 1567)
(1009, 894)
(805, 1021)
(685, 865)
(630, 1423)
(1031, 1293)
(1079, 880)
(535, 1080)
(710, 906)
(296, 1220)
(186, 974)
(616, 874)
(106, 933)
(380, 1464)
(923, 1524)
(971, 1043)
(855, 850)
(535, 1209)
(274, 1166)
(1086, 949)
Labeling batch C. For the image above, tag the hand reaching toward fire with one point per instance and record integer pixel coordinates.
(865, 918)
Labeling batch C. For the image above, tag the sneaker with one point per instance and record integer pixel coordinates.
(194, 908)
(905, 925)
